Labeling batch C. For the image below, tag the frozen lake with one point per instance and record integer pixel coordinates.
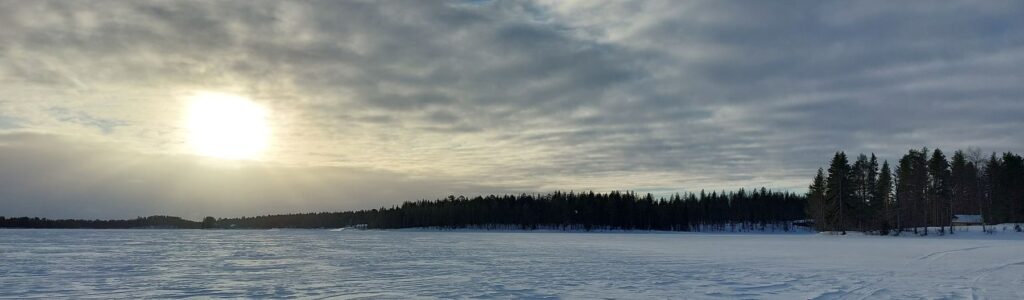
(409, 264)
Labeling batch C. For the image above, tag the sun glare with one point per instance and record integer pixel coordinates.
(227, 126)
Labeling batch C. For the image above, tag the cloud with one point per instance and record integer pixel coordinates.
(532, 95)
(63, 177)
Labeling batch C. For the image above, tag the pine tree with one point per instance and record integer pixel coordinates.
(872, 180)
(964, 191)
(871, 206)
(994, 191)
(883, 198)
(1012, 182)
(939, 191)
(903, 193)
(923, 211)
(911, 181)
(816, 205)
(861, 191)
(839, 192)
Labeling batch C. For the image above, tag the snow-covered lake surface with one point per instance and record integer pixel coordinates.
(423, 264)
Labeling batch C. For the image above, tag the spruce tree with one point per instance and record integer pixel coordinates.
(904, 190)
(911, 181)
(939, 191)
(861, 192)
(839, 192)
(964, 184)
(816, 206)
(995, 192)
(882, 199)
(921, 213)
(1013, 184)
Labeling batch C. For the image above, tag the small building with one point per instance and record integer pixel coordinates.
(804, 223)
(967, 220)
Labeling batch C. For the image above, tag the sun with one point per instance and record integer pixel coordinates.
(227, 126)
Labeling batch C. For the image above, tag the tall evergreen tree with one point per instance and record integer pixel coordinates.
(839, 192)
(873, 206)
(816, 205)
(1012, 182)
(995, 190)
(902, 195)
(883, 199)
(872, 178)
(964, 184)
(911, 183)
(939, 201)
(923, 212)
(859, 182)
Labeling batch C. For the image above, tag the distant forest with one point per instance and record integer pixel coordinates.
(167, 222)
(925, 190)
(760, 209)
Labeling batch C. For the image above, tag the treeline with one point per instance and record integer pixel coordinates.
(742, 210)
(140, 222)
(925, 190)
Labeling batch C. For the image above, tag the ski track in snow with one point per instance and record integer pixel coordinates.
(324, 264)
(938, 254)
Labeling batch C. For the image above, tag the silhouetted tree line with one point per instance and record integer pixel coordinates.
(140, 222)
(925, 190)
(759, 209)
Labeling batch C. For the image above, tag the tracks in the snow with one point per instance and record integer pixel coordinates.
(938, 254)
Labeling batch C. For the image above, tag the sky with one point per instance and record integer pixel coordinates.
(367, 104)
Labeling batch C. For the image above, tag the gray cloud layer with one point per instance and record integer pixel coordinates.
(524, 96)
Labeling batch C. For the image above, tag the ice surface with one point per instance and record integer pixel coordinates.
(428, 264)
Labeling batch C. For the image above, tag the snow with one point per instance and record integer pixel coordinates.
(374, 264)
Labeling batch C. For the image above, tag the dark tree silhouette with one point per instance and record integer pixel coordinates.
(839, 192)
(209, 222)
(925, 189)
(929, 190)
(817, 204)
(756, 210)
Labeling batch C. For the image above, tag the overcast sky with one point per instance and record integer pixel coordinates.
(378, 102)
